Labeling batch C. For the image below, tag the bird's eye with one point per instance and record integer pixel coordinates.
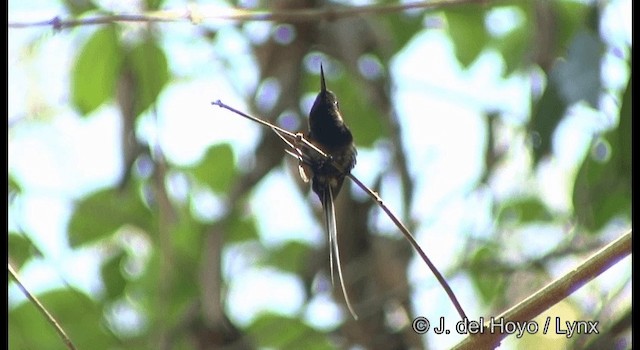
(337, 104)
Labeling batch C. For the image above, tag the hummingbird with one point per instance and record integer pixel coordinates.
(328, 132)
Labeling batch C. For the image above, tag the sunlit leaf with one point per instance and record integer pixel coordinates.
(78, 7)
(515, 45)
(289, 257)
(14, 185)
(182, 278)
(20, 249)
(569, 17)
(112, 275)
(524, 210)
(153, 4)
(467, 30)
(96, 70)
(360, 113)
(148, 64)
(402, 28)
(545, 117)
(217, 168)
(100, 214)
(565, 310)
(488, 283)
(602, 189)
(624, 127)
(282, 332)
(77, 314)
(188, 234)
(186, 279)
(241, 228)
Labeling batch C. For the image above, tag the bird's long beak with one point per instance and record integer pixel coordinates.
(323, 86)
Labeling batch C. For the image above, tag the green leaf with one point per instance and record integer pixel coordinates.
(76, 313)
(289, 257)
(112, 275)
(362, 116)
(241, 229)
(280, 332)
(14, 185)
(78, 7)
(602, 189)
(624, 127)
(148, 64)
(467, 31)
(96, 70)
(183, 278)
(217, 168)
(488, 283)
(599, 195)
(545, 117)
(402, 28)
(102, 213)
(569, 17)
(524, 210)
(153, 4)
(515, 45)
(21, 249)
(188, 234)
(186, 280)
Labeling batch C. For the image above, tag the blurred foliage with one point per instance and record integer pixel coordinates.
(21, 249)
(99, 60)
(216, 169)
(82, 319)
(467, 31)
(606, 170)
(368, 127)
(100, 214)
(488, 283)
(178, 286)
(280, 332)
(523, 210)
(148, 63)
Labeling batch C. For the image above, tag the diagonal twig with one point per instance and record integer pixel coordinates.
(42, 309)
(295, 141)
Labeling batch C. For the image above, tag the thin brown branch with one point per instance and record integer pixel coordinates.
(42, 309)
(553, 293)
(195, 14)
(167, 219)
(288, 137)
(414, 244)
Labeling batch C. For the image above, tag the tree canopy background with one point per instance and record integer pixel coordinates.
(144, 217)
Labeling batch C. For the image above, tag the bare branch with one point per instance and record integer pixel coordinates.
(195, 15)
(414, 244)
(42, 309)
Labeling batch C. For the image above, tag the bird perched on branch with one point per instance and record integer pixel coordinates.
(329, 133)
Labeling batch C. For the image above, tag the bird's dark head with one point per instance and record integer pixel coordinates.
(325, 121)
(326, 102)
